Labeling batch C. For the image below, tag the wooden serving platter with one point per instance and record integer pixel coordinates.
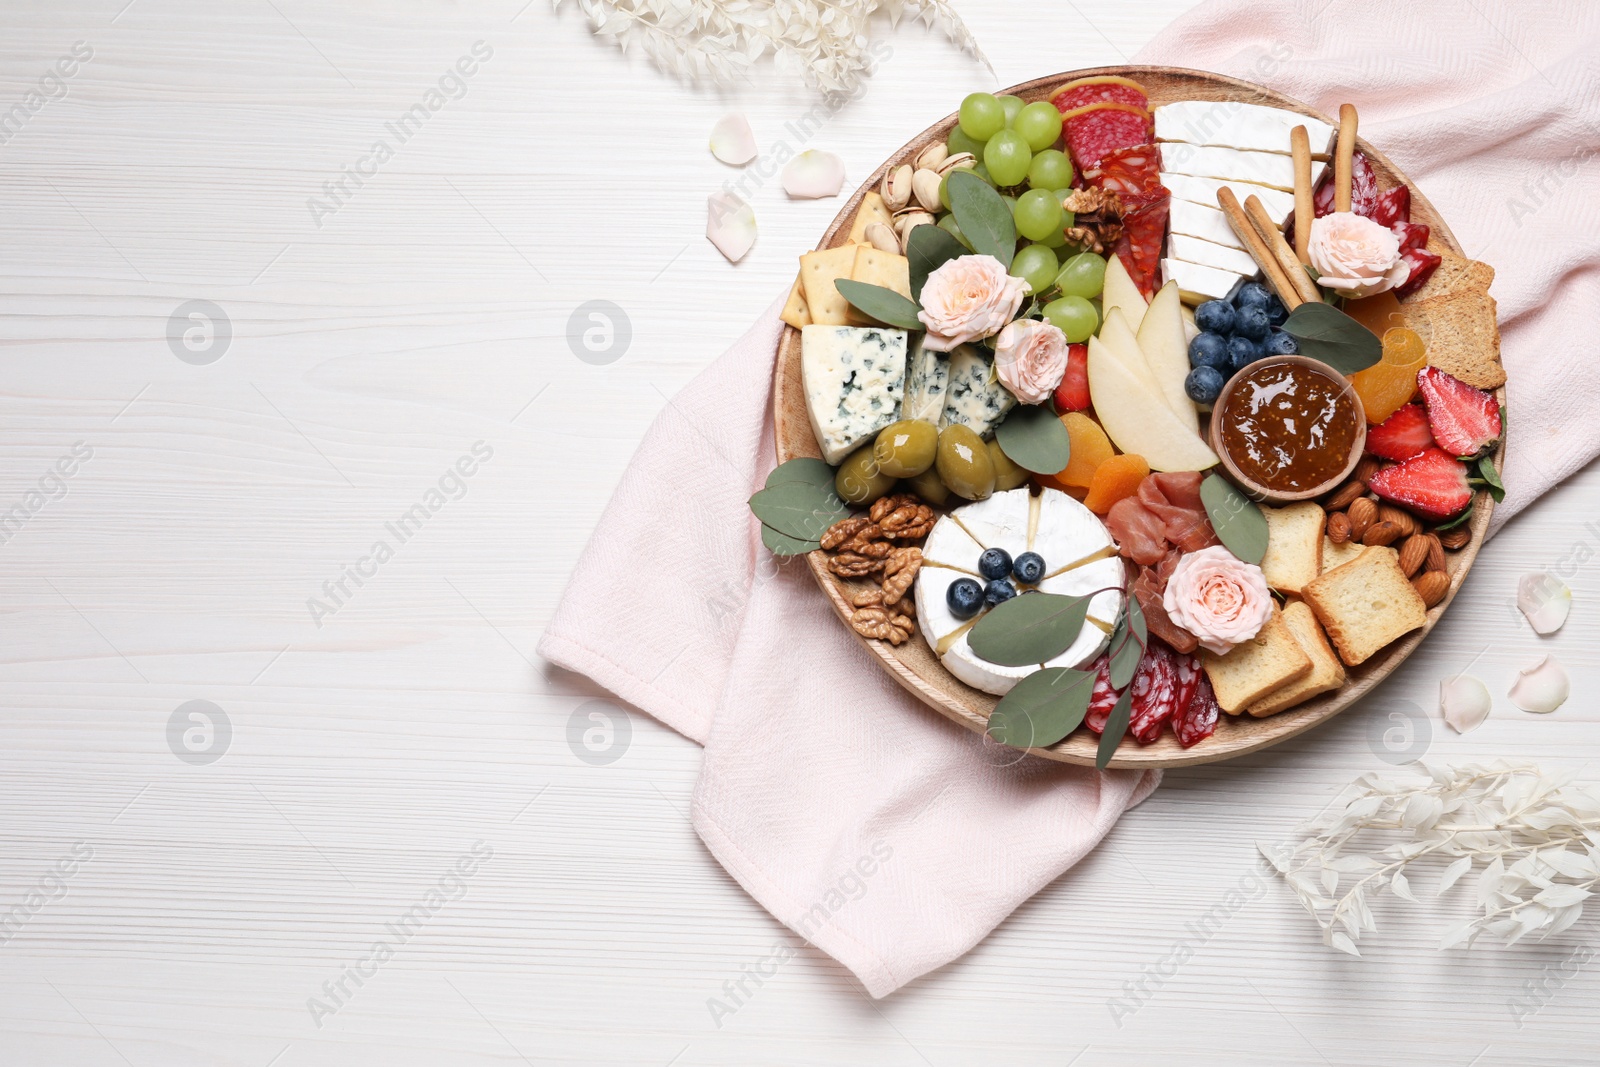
(914, 664)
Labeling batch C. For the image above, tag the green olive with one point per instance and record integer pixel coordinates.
(1007, 475)
(964, 465)
(859, 481)
(928, 486)
(907, 448)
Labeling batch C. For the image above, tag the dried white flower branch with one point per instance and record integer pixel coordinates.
(1535, 835)
(717, 41)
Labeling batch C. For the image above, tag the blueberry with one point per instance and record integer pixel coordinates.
(1242, 352)
(1203, 384)
(1208, 350)
(1282, 344)
(994, 563)
(1214, 316)
(1252, 295)
(1277, 314)
(1252, 323)
(1028, 568)
(998, 591)
(964, 597)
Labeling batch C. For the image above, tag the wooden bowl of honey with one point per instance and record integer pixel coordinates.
(1288, 428)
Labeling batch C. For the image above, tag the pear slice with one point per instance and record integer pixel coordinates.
(1120, 292)
(1120, 341)
(1138, 419)
(1166, 352)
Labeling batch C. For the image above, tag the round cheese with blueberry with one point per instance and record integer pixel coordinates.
(1079, 556)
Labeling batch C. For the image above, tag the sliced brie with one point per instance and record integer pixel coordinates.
(1235, 124)
(1194, 250)
(1278, 204)
(853, 378)
(1233, 165)
(949, 545)
(1206, 223)
(1198, 283)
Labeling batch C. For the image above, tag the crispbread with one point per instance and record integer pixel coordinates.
(1366, 604)
(1256, 667)
(1294, 545)
(1453, 274)
(795, 312)
(1327, 673)
(1455, 316)
(872, 209)
(818, 271)
(1338, 555)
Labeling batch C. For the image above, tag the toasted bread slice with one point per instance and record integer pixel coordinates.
(1257, 667)
(1327, 673)
(1338, 555)
(1366, 604)
(1294, 545)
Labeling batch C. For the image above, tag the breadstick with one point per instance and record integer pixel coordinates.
(1343, 156)
(1304, 210)
(1270, 269)
(1272, 237)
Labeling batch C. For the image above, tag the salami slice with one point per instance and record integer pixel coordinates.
(1392, 206)
(1156, 689)
(1144, 231)
(1103, 698)
(1363, 189)
(1423, 263)
(1094, 131)
(1198, 720)
(1131, 171)
(1084, 91)
(1411, 235)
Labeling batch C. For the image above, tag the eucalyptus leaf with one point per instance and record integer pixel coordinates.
(1135, 618)
(1034, 439)
(1030, 628)
(881, 303)
(1238, 521)
(1116, 727)
(1325, 333)
(927, 249)
(1125, 658)
(801, 469)
(1486, 471)
(984, 218)
(1043, 708)
(781, 544)
(799, 509)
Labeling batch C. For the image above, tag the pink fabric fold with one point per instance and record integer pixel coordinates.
(878, 831)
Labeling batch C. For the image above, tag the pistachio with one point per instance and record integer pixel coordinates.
(959, 161)
(932, 156)
(909, 219)
(881, 237)
(925, 187)
(896, 191)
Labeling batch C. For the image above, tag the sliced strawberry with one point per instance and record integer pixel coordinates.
(1433, 484)
(1073, 392)
(1402, 435)
(1465, 420)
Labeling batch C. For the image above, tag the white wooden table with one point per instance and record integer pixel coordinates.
(175, 908)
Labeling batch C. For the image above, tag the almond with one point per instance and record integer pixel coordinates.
(1365, 469)
(1402, 519)
(1346, 495)
(1435, 553)
(1454, 539)
(1413, 553)
(1339, 527)
(1363, 513)
(1431, 587)
(1381, 533)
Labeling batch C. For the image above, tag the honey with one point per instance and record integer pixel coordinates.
(1288, 427)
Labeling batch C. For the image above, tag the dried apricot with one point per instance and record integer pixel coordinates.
(1388, 385)
(1116, 478)
(1376, 313)
(1090, 448)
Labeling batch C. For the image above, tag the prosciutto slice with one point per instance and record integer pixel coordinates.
(1153, 528)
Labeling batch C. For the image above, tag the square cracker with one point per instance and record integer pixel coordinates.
(795, 312)
(872, 209)
(877, 267)
(818, 271)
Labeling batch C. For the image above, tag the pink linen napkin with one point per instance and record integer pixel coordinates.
(886, 836)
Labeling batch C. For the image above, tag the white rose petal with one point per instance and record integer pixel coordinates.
(1545, 600)
(1464, 702)
(732, 139)
(1542, 688)
(813, 174)
(730, 225)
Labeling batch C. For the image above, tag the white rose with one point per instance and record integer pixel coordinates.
(967, 299)
(1030, 357)
(1355, 256)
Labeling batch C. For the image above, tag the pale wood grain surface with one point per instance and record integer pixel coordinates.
(369, 754)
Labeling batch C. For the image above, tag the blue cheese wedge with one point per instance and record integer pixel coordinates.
(1198, 283)
(927, 383)
(977, 399)
(1278, 204)
(1194, 250)
(1233, 165)
(854, 378)
(1235, 124)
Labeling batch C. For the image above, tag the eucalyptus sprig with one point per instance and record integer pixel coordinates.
(1531, 836)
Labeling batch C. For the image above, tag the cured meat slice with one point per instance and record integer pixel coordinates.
(1392, 206)
(1095, 131)
(1156, 691)
(1129, 172)
(1097, 90)
(1144, 231)
(1422, 263)
(1363, 189)
(1166, 511)
(1198, 720)
(1103, 698)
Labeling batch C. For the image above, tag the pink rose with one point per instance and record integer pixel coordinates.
(1218, 597)
(1356, 256)
(1030, 357)
(966, 299)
